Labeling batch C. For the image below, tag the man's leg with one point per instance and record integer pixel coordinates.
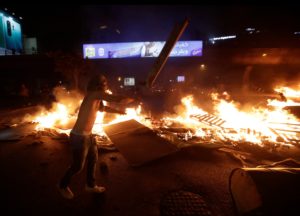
(92, 159)
(91, 168)
(80, 150)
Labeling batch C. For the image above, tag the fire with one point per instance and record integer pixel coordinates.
(282, 104)
(288, 95)
(58, 116)
(250, 126)
(228, 122)
(98, 126)
(289, 92)
(185, 116)
(131, 113)
(63, 114)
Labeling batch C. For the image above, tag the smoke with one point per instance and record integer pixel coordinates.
(66, 105)
(71, 98)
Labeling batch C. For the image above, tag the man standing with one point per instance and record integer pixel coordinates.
(81, 139)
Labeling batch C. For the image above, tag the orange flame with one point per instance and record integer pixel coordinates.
(62, 117)
(228, 122)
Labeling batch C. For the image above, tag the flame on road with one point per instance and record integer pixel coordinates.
(63, 114)
(228, 122)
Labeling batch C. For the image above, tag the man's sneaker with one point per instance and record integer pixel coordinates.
(95, 189)
(66, 192)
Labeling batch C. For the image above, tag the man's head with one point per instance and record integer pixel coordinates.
(97, 83)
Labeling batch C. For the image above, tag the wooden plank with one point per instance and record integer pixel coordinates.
(164, 54)
(137, 143)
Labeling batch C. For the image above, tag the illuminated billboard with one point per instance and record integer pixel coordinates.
(180, 78)
(2, 35)
(10, 34)
(129, 81)
(140, 49)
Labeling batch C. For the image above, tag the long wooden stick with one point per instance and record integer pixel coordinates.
(164, 54)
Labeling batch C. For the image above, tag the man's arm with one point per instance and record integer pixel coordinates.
(112, 110)
(111, 98)
(107, 97)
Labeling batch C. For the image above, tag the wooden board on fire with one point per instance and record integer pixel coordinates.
(137, 143)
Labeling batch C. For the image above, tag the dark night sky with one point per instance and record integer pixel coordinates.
(66, 27)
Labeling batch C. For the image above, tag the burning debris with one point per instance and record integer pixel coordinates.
(137, 143)
(272, 128)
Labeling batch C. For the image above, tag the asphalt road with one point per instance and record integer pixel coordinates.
(32, 166)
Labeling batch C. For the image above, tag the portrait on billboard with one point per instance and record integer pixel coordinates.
(151, 49)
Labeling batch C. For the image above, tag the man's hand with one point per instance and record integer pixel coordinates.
(126, 100)
(113, 110)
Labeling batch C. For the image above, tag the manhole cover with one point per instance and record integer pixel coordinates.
(181, 203)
